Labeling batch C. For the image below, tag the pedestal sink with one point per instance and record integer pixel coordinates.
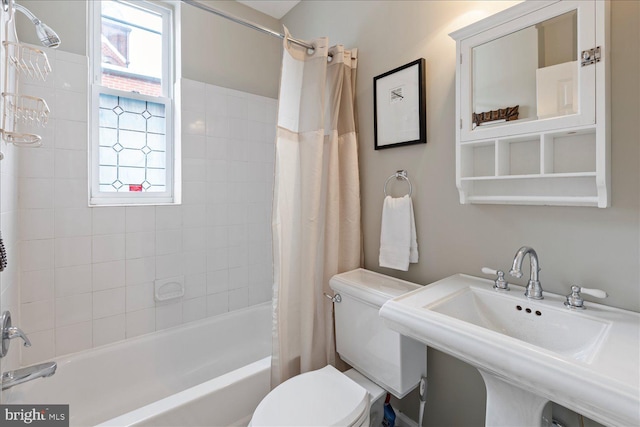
(529, 352)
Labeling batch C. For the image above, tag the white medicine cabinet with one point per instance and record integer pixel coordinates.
(532, 105)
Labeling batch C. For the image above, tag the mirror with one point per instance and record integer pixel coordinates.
(527, 75)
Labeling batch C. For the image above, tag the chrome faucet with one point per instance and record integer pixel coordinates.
(9, 332)
(534, 289)
(19, 376)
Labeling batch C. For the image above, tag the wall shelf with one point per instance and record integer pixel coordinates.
(533, 176)
(542, 200)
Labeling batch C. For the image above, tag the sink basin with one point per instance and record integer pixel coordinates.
(529, 352)
(554, 329)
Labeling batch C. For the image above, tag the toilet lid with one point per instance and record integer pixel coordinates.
(319, 398)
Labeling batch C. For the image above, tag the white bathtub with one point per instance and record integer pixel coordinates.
(212, 372)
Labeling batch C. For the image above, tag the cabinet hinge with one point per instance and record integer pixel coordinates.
(590, 56)
(460, 123)
(460, 59)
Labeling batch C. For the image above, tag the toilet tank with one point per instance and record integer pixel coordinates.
(396, 363)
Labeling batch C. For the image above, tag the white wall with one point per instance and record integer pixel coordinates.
(88, 272)
(9, 217)
(595, 247)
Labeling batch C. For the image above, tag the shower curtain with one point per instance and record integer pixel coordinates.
(316, 211)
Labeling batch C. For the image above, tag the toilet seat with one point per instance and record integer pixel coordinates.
(324, 397)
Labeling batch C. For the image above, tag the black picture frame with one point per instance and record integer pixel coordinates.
(399, 106)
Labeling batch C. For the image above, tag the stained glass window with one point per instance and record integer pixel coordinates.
(132, 154)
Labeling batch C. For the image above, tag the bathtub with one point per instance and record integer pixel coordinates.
(211, 372)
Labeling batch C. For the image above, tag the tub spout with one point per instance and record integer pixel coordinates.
(19, 376)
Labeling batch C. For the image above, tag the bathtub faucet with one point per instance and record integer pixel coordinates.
(19, 376)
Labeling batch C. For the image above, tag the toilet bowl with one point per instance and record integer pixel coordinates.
(325, 397)
(383, 360)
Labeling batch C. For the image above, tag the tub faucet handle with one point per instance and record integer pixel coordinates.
(15, 332)
(9, 332)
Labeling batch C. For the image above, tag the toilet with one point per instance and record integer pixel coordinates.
(382, 360)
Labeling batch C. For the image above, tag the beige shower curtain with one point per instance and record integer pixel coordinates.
(316, 212)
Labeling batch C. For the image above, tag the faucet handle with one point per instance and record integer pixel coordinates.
(9, 332)
(499, 283)
(574, 299)
(15, 332)
(487, 270)
(598, 293)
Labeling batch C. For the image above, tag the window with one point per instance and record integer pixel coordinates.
(132, 103)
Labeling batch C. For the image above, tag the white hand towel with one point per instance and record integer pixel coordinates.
(398, 243)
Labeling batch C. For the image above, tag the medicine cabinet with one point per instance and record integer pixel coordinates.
(532, 105)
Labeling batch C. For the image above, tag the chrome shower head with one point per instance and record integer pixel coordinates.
(46, 35)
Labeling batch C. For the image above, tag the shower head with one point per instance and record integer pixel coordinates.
(46, 35)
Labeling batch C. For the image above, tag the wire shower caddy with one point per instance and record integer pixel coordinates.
(22, 61)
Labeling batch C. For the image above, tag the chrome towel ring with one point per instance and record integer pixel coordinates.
(401, 174)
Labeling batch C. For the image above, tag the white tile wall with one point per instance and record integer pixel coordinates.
(73, 338)
(140, 322)
(88, 272)
(38, 286)
(109, 329)
(73, 280)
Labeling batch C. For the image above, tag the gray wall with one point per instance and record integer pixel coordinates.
(214, 50)
(590, 246)
(220, 52)
(67, 18)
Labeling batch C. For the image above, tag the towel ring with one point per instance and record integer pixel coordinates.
(401, 174)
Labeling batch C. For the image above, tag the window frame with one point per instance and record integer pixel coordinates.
(168, 97)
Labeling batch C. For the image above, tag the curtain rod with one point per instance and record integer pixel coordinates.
(247, 23)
